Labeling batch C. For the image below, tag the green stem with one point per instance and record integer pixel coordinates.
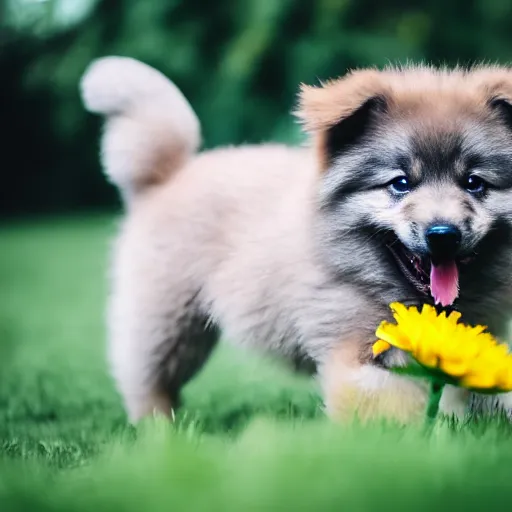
(436, 390)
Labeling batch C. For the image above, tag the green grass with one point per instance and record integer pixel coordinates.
(250, 437)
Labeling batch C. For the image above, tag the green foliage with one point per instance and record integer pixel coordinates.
(251, 436)
(273, 466)
(239, 63)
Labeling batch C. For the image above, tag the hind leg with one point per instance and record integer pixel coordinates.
(159, 339)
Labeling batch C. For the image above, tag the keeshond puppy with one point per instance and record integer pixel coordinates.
(404, 194)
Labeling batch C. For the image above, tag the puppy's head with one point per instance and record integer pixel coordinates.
(415, 167)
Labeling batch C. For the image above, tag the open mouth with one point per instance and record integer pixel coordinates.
(440, 279)
(415, 268)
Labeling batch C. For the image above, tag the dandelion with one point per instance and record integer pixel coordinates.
(446, 351)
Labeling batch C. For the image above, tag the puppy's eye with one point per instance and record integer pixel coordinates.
(399, 185)
(474, 184)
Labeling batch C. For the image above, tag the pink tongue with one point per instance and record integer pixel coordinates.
(444, 283)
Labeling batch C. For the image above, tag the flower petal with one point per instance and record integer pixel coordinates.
(393, 335)
(379, 347)
(455, 368)
(426, 355)
(480, 380)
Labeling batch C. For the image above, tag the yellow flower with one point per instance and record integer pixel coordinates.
(467, 355)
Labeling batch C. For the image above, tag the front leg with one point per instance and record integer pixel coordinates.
(455, 402)
(505, 404)
(491, 405)
(354, 385)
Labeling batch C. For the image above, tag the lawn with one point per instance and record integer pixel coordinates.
(251, 436)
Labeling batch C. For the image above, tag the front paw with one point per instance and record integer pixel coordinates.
(372, 393)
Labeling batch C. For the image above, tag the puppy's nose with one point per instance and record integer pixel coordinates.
(443, 241)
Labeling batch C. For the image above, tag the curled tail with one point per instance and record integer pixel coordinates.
(151, 129)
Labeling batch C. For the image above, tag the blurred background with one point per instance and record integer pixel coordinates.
(238, 61)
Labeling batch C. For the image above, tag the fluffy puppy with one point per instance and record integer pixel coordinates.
(405, 194)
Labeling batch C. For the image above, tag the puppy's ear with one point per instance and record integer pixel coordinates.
(503, 107)
(340, 112)
(496, 86)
